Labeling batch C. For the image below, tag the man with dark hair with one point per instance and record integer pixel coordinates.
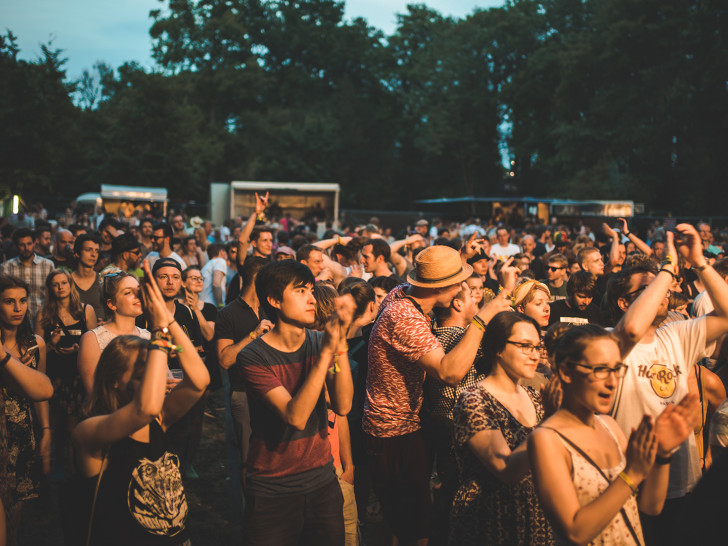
(374, 257)
(161, 242)
(236, 325)
(183, 436)
(42, 240)
(261, 239)
(382, 286)
(291, 482)
(578, 307)
(85, 277)
(146, 229)
(660, 360)
(29, 267)
(126, 255)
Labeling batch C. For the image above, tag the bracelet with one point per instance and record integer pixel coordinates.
(626, 233)
(5, 360)
(663, 460)
(164, 345)
(44, 428)
(701, 268)
(668, 271)
(667, 261)
(252, 335)
(478, 323)
(626, 479)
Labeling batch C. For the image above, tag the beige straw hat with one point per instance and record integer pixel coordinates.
(439, 266)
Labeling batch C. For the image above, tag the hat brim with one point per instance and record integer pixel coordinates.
(465, 272)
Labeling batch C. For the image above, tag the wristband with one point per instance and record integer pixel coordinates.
(5, 360)
(701, 268)
(478, 323)
(667, 261)
(626, 479)
(668, 271)
(45, 428)
(663, 460)
(252, 335)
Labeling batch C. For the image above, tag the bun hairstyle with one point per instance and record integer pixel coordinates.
(497, 332)
(363, 295)
(571, 345)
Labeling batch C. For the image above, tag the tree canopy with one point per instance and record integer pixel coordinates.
(587, 98)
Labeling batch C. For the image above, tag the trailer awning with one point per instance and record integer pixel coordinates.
(133, 193)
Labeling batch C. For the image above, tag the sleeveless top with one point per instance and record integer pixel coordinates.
(590, 484)
(64, 366)
(141, 499)
(104, 335)
(92, 296)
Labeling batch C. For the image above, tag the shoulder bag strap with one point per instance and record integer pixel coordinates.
(595, 465)
(96, 494)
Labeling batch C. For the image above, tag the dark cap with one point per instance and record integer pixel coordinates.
(165, 262)
(124, 243)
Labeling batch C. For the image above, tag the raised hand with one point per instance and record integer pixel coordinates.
(609, 231)
(509, 275)
(261, 203)
(642, 448)
(675, 424)
(623, 227)
(691, 246)
(158, 316)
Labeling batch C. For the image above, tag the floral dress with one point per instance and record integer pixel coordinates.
(486, 510)
(24, 464)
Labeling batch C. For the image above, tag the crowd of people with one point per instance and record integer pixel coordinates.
(468, 383)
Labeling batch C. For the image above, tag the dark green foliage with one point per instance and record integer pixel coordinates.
(591, 99)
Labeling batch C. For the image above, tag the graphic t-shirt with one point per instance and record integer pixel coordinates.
(657, 376)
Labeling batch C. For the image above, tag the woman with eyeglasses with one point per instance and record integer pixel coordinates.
(120, 296)
(591, 479)
(496, 502)
(192, 283)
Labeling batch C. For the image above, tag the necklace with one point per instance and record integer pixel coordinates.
(592, 426)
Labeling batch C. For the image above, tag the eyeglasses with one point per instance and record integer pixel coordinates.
(602, 372)
(137, 252)
(526, 348)
(631, 296)
(554, 268)
(200, 279)
(157, 237)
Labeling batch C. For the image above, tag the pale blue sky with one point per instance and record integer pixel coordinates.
(116, 31)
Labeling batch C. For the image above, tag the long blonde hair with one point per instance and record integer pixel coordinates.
(51, 305)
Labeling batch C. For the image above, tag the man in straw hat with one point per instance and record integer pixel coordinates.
(402, 349)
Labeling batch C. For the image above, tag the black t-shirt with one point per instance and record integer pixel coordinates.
(561, 312)
(187, 320)
(235, 321)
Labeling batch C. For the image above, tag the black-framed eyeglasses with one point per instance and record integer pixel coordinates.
(526, 348)
(631, 296)
(554, 268)
(157, 237)
(603, 372)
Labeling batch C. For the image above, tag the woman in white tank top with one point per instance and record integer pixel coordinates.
(121, 299)
(591, 480)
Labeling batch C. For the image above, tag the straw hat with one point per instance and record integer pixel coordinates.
(439, 266)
